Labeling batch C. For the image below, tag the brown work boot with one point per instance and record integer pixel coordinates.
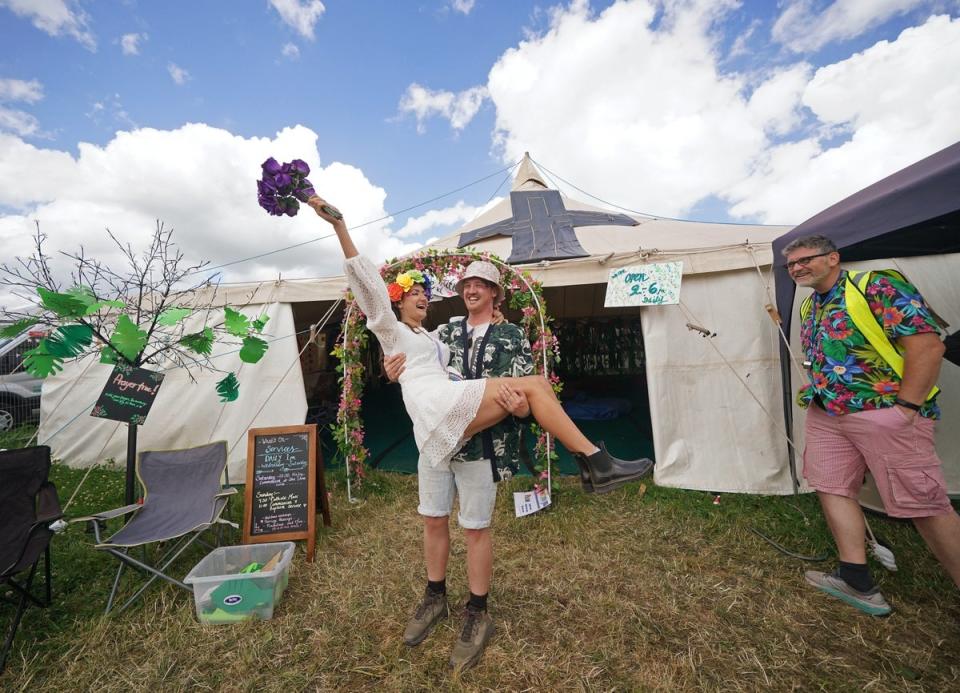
(477, 631)
(429, 612)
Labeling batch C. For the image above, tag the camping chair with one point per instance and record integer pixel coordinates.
(28, 504)
(182, 498)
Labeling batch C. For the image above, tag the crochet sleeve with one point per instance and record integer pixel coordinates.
(371, 294)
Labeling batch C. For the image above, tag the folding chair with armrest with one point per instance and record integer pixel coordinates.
(28, 504)
(182, 497)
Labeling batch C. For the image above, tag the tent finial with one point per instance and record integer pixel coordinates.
(528, 177)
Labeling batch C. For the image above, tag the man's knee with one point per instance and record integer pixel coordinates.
(472, 536)
(436, 524)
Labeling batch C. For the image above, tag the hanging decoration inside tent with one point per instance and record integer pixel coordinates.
(600, 347)
(543, 228)
(447, 268)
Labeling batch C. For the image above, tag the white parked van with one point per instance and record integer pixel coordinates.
(19, 391)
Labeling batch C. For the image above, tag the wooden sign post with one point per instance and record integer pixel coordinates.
(280, 496)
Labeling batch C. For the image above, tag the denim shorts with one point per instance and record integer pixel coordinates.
(472, 482)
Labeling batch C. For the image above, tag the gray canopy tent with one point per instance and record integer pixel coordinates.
(909, 219)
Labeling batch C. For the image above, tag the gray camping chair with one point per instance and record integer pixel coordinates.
(182, 498)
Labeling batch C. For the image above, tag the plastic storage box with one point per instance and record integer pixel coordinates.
(225, 594)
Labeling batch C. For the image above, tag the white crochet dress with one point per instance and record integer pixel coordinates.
(441, 409)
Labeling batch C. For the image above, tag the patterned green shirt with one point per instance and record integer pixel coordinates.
(506, 353)
(846, 373)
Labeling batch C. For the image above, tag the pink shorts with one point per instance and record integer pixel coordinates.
(900, 455)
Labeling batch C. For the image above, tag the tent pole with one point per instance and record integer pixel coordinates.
(131, 462)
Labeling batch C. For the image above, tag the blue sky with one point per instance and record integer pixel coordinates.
(718, 110)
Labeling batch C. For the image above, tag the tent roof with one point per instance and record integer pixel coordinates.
(701, 246)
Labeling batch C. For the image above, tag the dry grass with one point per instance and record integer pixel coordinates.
(630, 591)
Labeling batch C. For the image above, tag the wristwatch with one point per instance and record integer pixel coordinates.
(908, 405)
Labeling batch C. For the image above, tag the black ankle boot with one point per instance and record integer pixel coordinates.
(607, 473)
(585, 482)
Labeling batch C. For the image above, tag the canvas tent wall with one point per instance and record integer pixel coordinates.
(709, 432)
(908, 221)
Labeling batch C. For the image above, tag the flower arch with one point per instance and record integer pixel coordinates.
(525, 294)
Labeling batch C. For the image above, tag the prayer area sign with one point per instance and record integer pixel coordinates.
(656, 284)
(281, 488)
(128, 395)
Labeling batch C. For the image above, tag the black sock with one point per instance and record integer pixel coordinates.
(437, 586)
(857, 575)
(477, 602)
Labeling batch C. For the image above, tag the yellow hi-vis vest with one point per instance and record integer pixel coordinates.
(863, 318)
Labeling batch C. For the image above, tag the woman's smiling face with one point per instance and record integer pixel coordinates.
(413, 305)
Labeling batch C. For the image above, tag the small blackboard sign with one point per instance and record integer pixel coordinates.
(128, 395)
(281, 485)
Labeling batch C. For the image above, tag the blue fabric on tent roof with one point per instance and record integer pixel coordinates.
(542, 227)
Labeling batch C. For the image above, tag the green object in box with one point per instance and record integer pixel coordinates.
(241, 596)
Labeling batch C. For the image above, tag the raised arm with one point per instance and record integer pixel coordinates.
(364, 280)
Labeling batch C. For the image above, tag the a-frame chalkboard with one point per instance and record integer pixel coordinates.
(280, 495)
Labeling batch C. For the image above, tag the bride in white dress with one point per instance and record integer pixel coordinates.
(445, 412)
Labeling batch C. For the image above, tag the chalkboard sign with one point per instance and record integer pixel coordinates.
(281, 485)
(128, 395)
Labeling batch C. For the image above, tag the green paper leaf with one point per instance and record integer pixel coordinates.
(84, 294)
(228, 388)
(109, 356)
(128, 339)
(18, 327)
(171, 316)
(236, 323)
(63, 305)
(253, 349)
(96, 307)
(69, 341)
(261, 322)
(199, 342)
(40, 363)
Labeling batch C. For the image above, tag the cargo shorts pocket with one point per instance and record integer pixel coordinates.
(915, 480)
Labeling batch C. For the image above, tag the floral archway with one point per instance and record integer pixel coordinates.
(524, 294)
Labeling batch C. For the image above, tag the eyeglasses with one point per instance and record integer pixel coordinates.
(804, 261)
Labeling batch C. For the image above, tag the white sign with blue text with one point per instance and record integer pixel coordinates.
(656, 284)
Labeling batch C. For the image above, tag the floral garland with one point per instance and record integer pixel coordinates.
(447, 268)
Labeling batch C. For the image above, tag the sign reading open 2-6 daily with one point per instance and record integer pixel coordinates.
(128, 395)
(655, 284)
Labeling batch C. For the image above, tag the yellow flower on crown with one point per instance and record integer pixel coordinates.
(405, 281)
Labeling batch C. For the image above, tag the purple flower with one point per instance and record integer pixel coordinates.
(270, 166)
(300, 166)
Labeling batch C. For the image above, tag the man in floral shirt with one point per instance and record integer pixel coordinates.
(872, 353)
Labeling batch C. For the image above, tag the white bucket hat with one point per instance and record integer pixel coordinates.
(482, 269)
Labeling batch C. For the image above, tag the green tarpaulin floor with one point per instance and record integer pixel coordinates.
(389, 433)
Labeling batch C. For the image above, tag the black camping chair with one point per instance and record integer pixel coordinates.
(28, 504)
(182, 498)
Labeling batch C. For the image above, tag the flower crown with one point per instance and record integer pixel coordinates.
(405, 281)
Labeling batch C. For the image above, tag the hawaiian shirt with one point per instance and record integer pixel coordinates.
(846, 372)
(506, 353)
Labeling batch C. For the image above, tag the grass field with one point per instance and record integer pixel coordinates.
(643, 589)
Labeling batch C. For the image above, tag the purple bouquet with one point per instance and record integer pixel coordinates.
(284, 186)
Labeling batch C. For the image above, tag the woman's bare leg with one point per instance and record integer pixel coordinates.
(544, 405)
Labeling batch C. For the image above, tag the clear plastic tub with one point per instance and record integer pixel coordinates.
(224, 594)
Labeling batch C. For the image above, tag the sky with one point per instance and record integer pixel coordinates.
(115, 114)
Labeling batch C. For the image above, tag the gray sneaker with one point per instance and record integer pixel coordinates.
(871, 602)
(429, 612)
(477, 631)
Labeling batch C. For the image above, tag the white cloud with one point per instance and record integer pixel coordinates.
(898, 101)
(301, 15)
(462, 6)
(198, 179)
(55, 17)
(179, 75)
(290, 51)
(12, 119)
(803, 27)
(459, 108)
(130, 43)
(776, 102)
(20, 90)
(457, 215)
